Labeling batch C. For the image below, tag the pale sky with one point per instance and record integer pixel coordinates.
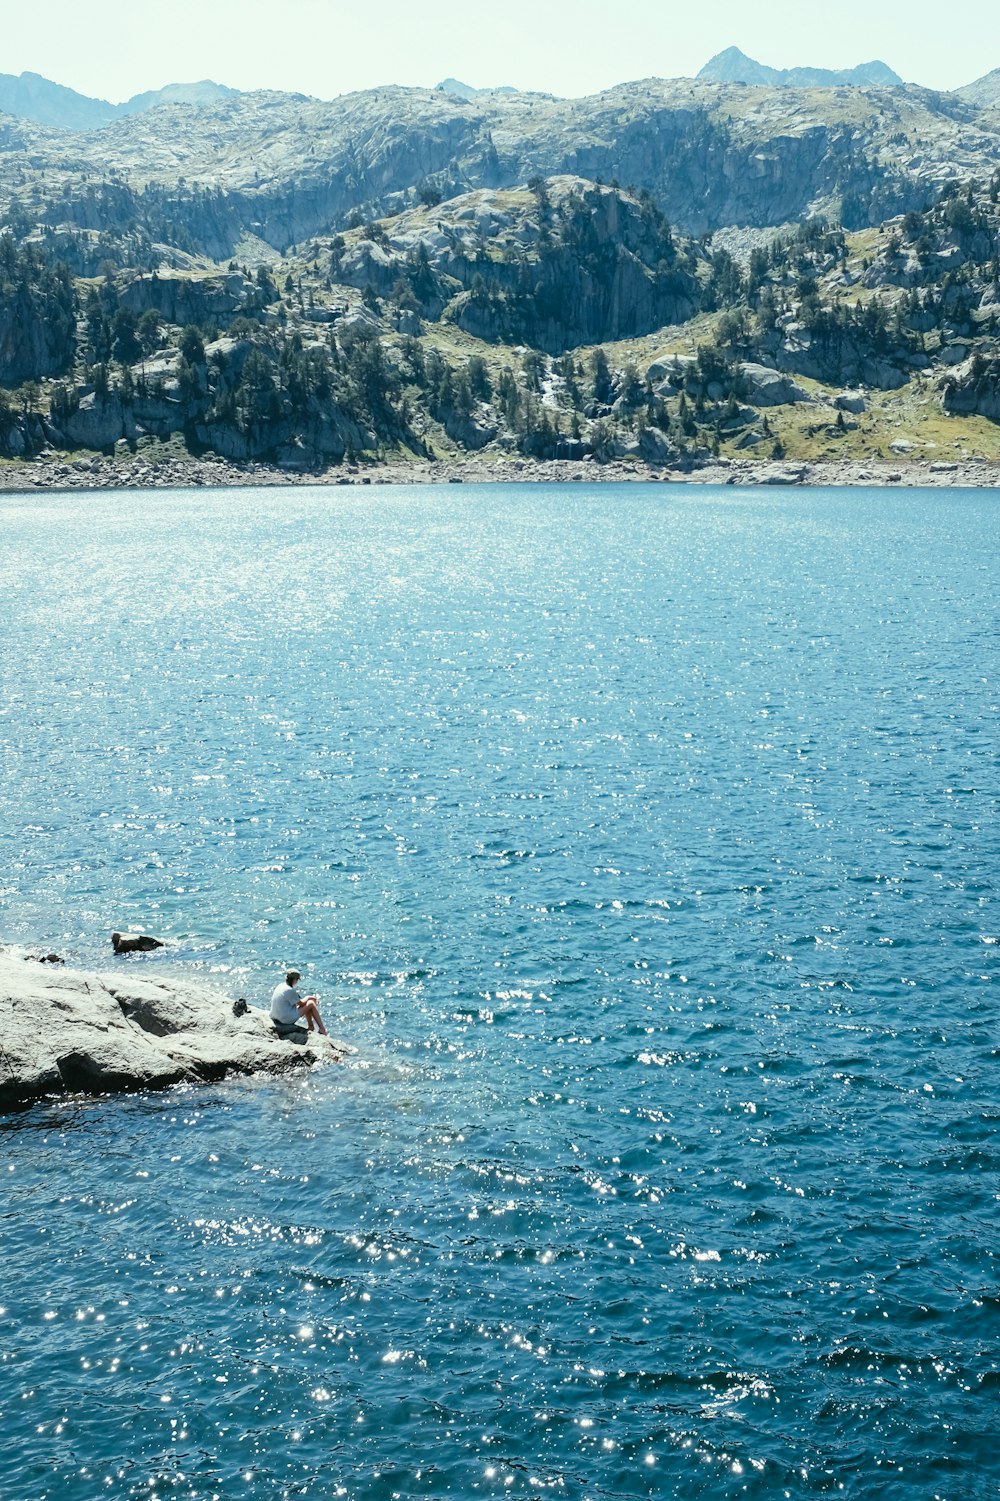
(115, 48)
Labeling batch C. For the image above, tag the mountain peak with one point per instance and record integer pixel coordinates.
(734, 66)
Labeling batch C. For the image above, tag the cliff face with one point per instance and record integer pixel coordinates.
(188, 299)
(29, 346)
(37, 316)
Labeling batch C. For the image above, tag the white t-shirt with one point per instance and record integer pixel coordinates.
(284, 1005)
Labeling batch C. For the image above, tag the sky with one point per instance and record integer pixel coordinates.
(112, 49)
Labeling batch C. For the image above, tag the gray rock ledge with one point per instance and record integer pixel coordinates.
(64, 1032)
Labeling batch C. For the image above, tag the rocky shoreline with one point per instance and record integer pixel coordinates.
(103, 473)
(64, 1032)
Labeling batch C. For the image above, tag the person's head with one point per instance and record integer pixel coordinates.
(293, 977)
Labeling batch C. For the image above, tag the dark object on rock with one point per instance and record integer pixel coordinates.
(134, 943)
(240, 1007)
(68, 1032)
(46, 958)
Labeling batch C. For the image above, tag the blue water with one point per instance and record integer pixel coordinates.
(644, 842)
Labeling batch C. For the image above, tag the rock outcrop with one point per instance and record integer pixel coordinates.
(188, 299)
(135, 943)
(64, 1032)
(565, 264)
(974, 387)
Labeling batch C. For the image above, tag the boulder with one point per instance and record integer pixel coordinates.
(851, 401)
(65, 1032)
(470, 433)
(767, 387)
(666, 375)
(655, 447)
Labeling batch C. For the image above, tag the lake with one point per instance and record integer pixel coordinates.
(643, 841)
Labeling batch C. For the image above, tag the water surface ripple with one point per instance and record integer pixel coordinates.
(644, 842)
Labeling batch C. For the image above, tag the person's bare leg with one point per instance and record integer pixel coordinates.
(310, 1011)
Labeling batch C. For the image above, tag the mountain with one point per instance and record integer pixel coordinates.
(733, 66)
(279, 168)
(459, 90)
(205, 92)
(32, 97)
(269, 277)
(985, 92)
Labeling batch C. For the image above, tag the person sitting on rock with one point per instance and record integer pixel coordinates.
(287, 1005)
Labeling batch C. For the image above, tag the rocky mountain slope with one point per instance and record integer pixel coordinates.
(733, 66)
(561, 320)
(278, 169)
(984, 93)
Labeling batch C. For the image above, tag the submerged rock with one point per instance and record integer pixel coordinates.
(64, 1032)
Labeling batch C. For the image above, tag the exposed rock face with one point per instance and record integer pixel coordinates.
(604, 270)
(188, 299)
(462, 90)
(974, 387)
(65, 1032)
(36, 332)
(843, 356)
(98, 422)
